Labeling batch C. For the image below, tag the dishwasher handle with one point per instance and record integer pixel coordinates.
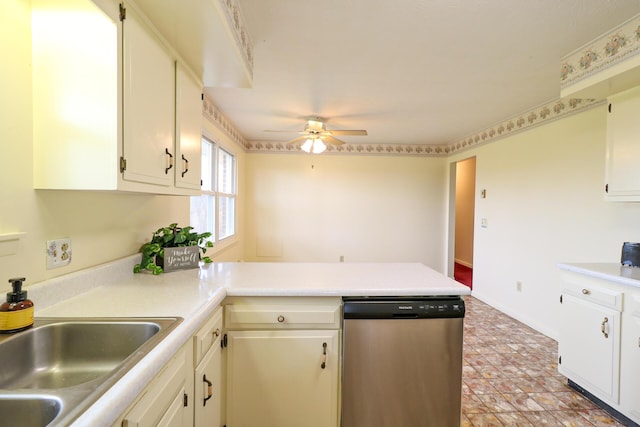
(406, 316)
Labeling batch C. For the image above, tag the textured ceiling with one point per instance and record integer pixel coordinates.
(409, 72)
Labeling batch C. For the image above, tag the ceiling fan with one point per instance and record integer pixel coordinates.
(315, 136)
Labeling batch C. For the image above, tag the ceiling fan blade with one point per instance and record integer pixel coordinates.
(298, 139)
(348, 132)
(332, 140)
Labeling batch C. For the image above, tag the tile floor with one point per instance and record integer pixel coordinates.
(510, 376)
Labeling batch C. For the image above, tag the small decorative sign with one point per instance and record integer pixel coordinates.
(180, 258)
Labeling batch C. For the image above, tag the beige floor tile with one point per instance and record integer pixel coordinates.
(510, 377)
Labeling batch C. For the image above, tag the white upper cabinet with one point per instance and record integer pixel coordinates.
(75, 94)
(108, 114)
(188, 130)
(149, 105)
(623, 147)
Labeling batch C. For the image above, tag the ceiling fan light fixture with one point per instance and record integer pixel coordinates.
(313, 145)
(318, 146)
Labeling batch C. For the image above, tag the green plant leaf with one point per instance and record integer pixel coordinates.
(180, 237)
(207, 260)
(136, 268)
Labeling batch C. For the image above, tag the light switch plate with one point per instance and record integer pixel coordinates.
(58, 253)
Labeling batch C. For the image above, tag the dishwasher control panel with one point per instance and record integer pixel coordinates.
(399, 308)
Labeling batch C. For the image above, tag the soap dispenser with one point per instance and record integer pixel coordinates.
(16, 314)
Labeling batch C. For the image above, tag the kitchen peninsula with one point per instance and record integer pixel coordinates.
(112, 290)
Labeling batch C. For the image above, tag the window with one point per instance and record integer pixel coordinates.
(215, 209)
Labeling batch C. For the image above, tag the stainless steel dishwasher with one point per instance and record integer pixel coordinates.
(402, 362)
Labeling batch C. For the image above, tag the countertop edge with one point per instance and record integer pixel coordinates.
(112, 404)
(267, 292)
(597, 270)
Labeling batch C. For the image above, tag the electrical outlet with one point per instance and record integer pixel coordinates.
(58, 253)
(519, 286)
(341, 258)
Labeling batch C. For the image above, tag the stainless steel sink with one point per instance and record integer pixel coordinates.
(29, 411)
(67, 353)
(61, 366)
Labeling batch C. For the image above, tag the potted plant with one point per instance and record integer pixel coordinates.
(153, 252)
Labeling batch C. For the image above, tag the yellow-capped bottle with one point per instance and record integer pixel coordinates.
(16, 314)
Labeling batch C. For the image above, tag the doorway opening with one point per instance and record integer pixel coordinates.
(464, 217)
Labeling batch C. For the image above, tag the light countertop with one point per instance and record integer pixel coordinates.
(614, 272)
(112, 290)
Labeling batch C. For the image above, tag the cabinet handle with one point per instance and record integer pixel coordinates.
(169, 161)
(185, 169)
(216, 333)
(324, 355)
(280, 318)
(604, 327)
(586, 292)
(209, 391)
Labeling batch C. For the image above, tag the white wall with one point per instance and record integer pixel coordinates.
(544, 206)
(365, 208)
(102, 226)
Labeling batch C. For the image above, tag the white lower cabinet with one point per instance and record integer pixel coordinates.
(208, 390)
(599, 342)
(630, 358)
(165, 401)
(277, 378)
(174, 416)
(276, 363)
(590, 346)
(283, 362)
(208, 373)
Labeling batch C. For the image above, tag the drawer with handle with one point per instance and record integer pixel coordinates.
(282, 316)
(208, 335)
(589, 289)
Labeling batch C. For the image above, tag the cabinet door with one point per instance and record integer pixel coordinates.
(208, 390)
(623, 146)
(149, 105)
(590, 346)
(174, 417)
(630, 358)
(279, 376)
(75, 82)
(188, 130)
(163, 400)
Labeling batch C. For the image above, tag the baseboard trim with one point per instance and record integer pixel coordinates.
(515, 314)
(611, 411)
(464, 263)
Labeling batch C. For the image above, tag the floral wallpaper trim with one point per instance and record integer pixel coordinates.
(542, 114)
(613, 47)
(215, 116)
(233, 13)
